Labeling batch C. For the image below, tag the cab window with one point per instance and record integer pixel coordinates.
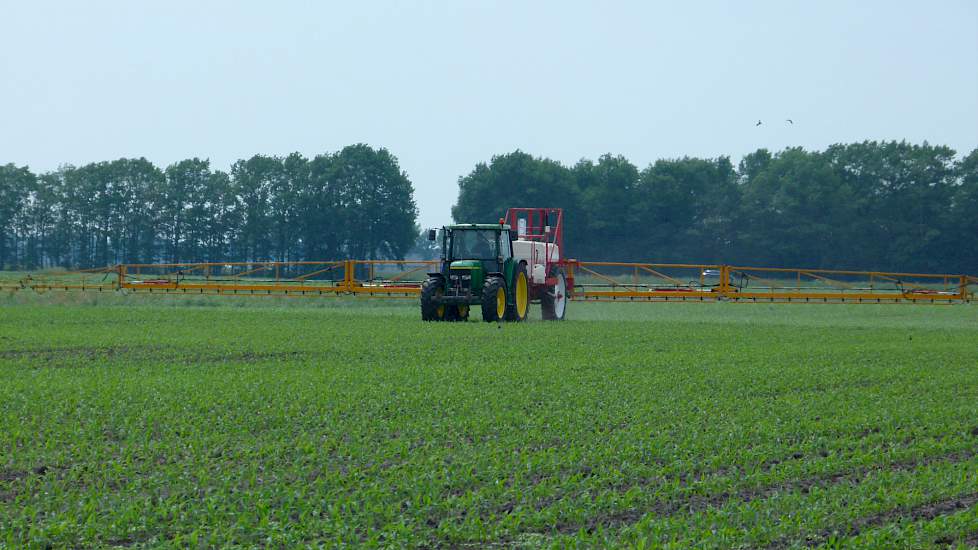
(474, 244)
(504, 245)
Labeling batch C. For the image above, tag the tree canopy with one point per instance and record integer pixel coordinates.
(893, 206)
(353, 203)
(869, 205)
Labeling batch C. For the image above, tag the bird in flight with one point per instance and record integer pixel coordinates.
(758, 123)
(790, 121)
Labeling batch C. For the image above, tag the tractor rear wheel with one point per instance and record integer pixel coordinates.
(520, 307)
(494, 300)
(430, 291)
(553, 302)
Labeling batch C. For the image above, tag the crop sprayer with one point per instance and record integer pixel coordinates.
(501, 267)
(505, 267)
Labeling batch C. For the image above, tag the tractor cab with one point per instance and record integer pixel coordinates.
(472, 251)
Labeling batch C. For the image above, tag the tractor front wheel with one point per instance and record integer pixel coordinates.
(432, 289)
(457, 313)
(493, 300)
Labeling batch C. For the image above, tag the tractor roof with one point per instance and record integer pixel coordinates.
(496, 226)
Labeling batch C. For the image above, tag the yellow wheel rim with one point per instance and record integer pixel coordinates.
(500, 302)
(463, 311)
(522, 295)
(440, 310)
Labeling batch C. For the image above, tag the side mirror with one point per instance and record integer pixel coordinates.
(513, 234)
(431, 234)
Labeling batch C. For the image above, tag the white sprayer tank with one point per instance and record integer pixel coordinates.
(535, 254)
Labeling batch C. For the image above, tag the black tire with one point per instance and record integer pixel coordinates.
(457, 313)
(460, 313)
(548, 301)
(430, 310)
(514, 303)
(490, 300)
(451, 314)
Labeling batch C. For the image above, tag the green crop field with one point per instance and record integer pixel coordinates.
(166, 421)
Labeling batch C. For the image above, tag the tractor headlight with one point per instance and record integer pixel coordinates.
(466, 277)
(453, 277)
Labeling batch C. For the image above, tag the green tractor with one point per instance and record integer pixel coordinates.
(477, 268)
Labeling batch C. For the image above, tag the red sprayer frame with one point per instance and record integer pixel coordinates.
(545, 225)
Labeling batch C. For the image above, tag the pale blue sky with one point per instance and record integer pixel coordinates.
(446, 85)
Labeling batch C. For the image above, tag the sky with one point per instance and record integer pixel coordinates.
(445, 85)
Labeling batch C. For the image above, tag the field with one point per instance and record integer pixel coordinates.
(144, 421)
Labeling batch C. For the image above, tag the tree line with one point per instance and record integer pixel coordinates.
(870, 205)
(355, 203)
(893, 206)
